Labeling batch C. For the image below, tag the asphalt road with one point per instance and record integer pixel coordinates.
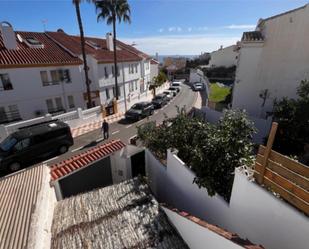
(124, 130)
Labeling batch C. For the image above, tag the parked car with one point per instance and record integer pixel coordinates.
(168, 94)
(139, 111)
(197, 86)
(159, 100)
(173, 90)
(30, 143)
(176, 85)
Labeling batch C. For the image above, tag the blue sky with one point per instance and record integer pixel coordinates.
(163, 26)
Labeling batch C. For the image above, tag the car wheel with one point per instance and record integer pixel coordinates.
(14, 166)
(63, 149)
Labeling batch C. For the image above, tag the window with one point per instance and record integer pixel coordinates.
(33, 41)
(131, 86)
(55, 76)
(66, 77)
(107, 93)
(6, 83)
(135, 85)
(44, 78)
(136, 65)
(105, 72)
(118, 71)
(147, 65)
(59, 105)
(50, 105)
(13, 112)
(114, 92)
(113, 71)
(23, 144)
(71, 101)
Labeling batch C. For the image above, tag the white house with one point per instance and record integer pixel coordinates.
(133, 68)
(43, 73)
(224, 57)
(154, 68)
(272, 61)
(36, 76)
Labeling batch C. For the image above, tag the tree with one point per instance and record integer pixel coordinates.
(158, 81)
(211, 151)
(111, 11)
(82, 44)
(292, 116)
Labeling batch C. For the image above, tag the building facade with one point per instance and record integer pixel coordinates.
(224, 57)
(43, 73)
(273, 60)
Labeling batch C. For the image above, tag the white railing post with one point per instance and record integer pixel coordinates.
(80, 113)
(3, 132)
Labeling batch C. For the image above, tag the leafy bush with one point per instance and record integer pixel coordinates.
(293, 119)
(211, 151)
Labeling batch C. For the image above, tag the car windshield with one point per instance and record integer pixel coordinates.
(8, 143)
(137, 107)
(172, 88)
(158, 97)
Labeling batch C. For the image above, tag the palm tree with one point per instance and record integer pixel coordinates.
(111, 11)
(82, 43)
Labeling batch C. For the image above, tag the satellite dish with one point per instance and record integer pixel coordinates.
(20, 39)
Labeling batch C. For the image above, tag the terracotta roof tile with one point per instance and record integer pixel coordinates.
(127, 53)
(252, 36)
(154, 62)
(84, 159)
(233, 237)
(23, 56)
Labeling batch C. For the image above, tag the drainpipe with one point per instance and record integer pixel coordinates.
(124, 89)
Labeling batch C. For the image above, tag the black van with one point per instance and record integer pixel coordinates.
(26, 145)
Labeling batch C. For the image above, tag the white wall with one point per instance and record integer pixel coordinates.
(196, 236)
(225, 57)
(154, 71)
(280, 65)
(262, 125)
(30, 95)
(253, 212)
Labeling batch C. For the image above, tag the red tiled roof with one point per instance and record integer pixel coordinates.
(233, 237)
(68, 166)
(24, 56)
(102, 54)
(153, 61)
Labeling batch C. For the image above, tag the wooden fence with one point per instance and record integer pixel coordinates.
(288, 178)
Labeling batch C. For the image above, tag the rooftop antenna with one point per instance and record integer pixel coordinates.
(44, 22)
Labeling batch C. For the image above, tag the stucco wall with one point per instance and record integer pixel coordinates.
(30, 95)
(253, 212)
(262, 125)
(196, 236)
(225, 57)
(279, 65)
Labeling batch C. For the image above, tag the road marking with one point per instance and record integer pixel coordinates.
(77, 149)
(99, 140)
(51, 159)
(114, 132)
(128, 126)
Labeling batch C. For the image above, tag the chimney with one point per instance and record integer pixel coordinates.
(8, 35)
(109, 42)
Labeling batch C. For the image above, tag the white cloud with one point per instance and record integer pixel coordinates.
(179, 29)
(171, 29)
(189, 29)
(182, 44)
(204, 28)
(161, 30)
(242, 26)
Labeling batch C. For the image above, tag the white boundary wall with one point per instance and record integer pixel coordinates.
(197, 236)
(253, 212)
(262, 125)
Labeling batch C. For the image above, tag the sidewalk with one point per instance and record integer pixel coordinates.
(95, 125)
